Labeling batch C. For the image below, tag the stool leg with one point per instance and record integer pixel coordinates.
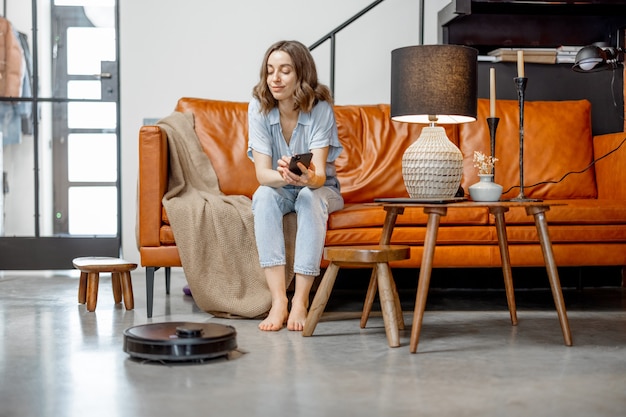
(82, 288)
(321, 298)
(117, 287)
(127, 289)
(388, 304)
(369, 299)
(396, 300)
(92, 290)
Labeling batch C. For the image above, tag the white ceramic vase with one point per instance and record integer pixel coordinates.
(485, 189)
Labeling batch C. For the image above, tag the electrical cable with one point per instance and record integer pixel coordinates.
(592, 163)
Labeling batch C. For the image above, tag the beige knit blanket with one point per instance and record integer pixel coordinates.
(214, 232)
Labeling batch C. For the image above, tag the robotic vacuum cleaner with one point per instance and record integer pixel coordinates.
(179, 341)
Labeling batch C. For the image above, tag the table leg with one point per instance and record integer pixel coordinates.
(503, 244)
(430, 240)
(538, 213)
(390, 222)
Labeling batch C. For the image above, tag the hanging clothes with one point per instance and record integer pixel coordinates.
(27, 86)
(11, 61)
(12, 69)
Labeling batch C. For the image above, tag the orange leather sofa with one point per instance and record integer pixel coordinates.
(589, 230)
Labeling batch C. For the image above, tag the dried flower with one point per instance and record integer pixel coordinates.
(484, 163)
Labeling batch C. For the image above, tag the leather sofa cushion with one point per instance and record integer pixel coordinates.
(557, 140)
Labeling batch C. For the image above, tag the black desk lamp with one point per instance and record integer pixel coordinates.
(594, 58)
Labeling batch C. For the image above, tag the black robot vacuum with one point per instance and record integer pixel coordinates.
(179, 341)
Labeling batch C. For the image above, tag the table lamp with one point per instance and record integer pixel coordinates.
(433, 84)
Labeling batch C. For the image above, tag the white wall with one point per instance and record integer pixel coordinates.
(213, 49)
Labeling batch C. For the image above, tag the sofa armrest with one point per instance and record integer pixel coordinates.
(153, 176)
(610, 171)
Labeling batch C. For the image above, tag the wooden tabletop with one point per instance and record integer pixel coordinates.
(470, 203)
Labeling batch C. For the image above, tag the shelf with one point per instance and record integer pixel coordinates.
(530, 24)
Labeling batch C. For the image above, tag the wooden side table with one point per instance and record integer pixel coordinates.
(90, 268)
(435, 211)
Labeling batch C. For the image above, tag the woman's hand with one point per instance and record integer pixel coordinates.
(306, 179)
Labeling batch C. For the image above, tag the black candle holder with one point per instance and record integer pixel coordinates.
(492, 122)
(520, 86)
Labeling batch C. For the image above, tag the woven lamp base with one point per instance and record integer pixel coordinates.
(432, 166)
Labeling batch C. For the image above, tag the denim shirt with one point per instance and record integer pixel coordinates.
(314, 130)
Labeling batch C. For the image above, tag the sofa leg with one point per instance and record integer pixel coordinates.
(580, 285)
(149, 288)
(167, 279)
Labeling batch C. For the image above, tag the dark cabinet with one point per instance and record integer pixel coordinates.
(487, 25)
(490, 24)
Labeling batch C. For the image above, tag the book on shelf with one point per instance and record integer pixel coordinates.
(531, 55)
(569, 48)
(567, 54)
(486, 58)
(566, 59)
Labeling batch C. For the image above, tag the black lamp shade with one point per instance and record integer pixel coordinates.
(430, 81)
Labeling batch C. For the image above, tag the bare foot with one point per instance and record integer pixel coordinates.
(276, 318)
(297, 317)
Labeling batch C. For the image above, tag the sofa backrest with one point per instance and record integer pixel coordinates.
(371, 164)
(369, 167)
(557, 139)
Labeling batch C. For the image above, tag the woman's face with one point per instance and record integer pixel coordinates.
(281, 75)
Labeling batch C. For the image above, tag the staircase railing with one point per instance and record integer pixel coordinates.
(331, 35)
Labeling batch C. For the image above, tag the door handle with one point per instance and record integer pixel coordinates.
(104, 75)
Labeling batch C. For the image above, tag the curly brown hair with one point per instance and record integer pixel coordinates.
(308, 89)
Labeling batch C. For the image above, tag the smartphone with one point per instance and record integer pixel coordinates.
(304, 158)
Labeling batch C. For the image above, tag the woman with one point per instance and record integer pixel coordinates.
(292, 113)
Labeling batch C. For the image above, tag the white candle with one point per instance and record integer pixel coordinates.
(492, 92)
(520, 64)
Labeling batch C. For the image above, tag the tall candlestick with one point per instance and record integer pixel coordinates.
(492, 92)
(520, 64)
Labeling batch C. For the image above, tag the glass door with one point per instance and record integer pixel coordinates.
(61, 193)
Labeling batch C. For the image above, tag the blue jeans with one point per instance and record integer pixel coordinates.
(312, 207)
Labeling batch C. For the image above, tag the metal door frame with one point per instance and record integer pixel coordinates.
(56, 252)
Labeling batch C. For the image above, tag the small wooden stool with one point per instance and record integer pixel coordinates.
(378, 257)
(90, 268)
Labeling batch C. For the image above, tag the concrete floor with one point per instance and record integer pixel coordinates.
(57, 359)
